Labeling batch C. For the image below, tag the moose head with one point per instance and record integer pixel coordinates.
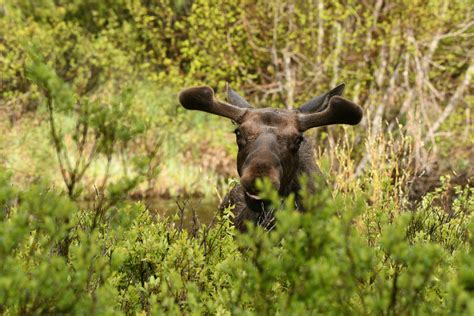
(270, 140)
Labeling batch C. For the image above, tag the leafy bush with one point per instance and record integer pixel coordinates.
(98, 128)
(128, 260)
(126, 256)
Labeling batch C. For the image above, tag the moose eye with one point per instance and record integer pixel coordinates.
(237, 132)
(239, 137)
(299, 140)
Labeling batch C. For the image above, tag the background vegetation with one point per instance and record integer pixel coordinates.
(89, 121)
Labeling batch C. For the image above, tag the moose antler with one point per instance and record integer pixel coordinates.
(321, 102)
(202, 99)
(235, 99)
(339, 111)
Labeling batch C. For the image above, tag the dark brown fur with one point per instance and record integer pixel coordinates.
(271, 145)
(242, 211)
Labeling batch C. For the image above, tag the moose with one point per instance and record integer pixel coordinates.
(271, 145)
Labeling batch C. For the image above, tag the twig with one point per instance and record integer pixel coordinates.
(451, 104)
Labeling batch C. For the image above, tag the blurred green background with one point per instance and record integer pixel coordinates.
(120, 64)
(90, 123)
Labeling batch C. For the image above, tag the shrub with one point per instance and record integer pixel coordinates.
(128, 260)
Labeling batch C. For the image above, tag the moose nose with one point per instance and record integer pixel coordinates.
(249, 184)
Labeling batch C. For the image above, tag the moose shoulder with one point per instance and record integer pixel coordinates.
(271, 144)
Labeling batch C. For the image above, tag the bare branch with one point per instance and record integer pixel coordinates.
(453, 101)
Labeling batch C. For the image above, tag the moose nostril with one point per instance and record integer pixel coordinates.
(249, 185)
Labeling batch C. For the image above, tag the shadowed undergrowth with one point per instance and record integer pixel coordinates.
(346, 255)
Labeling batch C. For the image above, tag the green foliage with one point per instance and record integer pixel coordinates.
(280, 53)
(100, 79)
(126, 256)
(320, 262)
(317, 262)
(214, 30)
(98, 128)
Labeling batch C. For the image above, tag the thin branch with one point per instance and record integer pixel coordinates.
(56, 140)
(453, 101)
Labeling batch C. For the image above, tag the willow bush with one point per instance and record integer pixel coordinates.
(129, 260)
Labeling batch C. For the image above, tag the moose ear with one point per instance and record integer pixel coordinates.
(321, 102)
(202, 99)
(235, 99)
(339, 111)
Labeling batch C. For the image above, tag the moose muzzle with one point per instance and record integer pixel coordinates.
(261, 162)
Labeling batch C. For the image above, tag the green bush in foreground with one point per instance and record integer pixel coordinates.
(127, 260)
